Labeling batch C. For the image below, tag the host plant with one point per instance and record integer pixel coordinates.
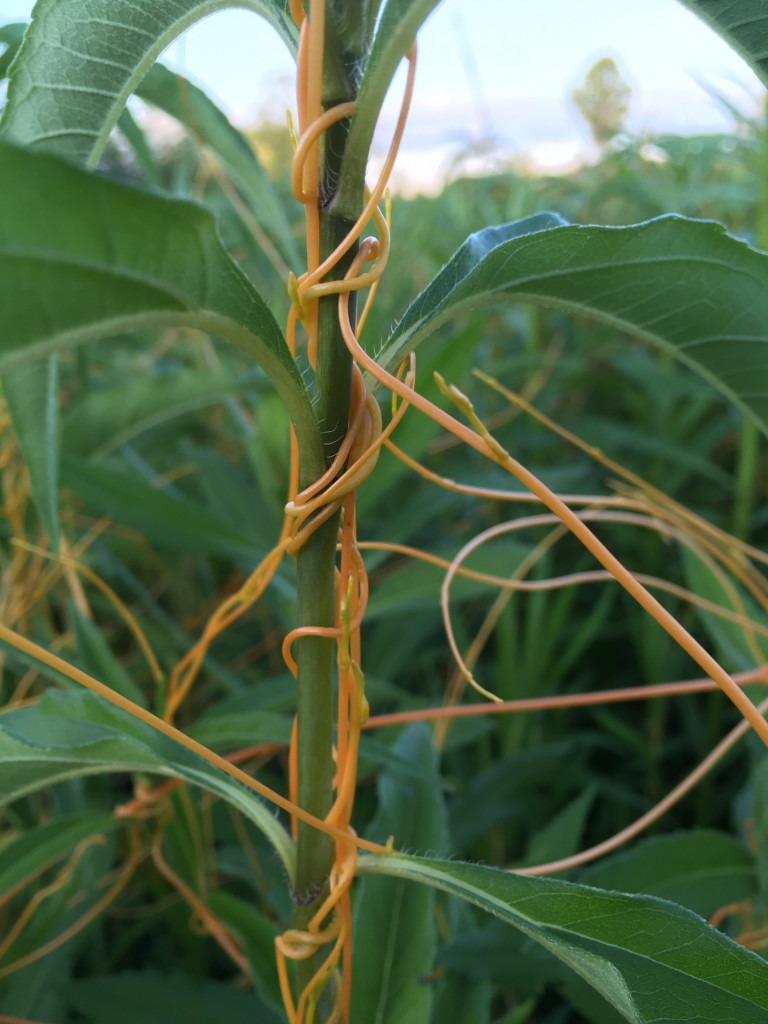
(85, 257)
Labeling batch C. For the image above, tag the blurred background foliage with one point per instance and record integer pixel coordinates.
(173, 479)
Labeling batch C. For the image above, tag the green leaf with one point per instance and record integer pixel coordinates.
(731, 640)
(191, 107)
(462, 1001)
(701, 869)
(743, 24)
(256, 933)
(103, 418)
(684, 285)
(115, 258)
(225, 732)
(395, 936)
(82, 59)
(652, 960)
(30, 395)
(11, 36)
(176, 523)
(43, 845)
(153, 997)
(142, 150)
(760, 819)
(399, 22)
(98, 660)
(77, 65)
(561, 836)
(69, 735)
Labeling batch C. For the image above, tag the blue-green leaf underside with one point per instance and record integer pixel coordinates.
(81, 59)
(655, 962)
(686, 286)
(743, 24)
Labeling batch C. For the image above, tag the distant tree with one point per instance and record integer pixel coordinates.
(603, 100)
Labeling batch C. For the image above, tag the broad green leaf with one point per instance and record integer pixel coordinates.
(44, 845)
(115, 258)
(743, 24)
(209, 125)
(78, 64)
(652, 960)
(155, 997)
(701, 869)
(684, 285)
(395, 935)
(30, 394)
(82, 59)
(69, 735)
(399, 21)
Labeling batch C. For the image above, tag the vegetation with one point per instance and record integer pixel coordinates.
(188, 834)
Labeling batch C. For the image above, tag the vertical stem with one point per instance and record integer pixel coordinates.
(316, 560)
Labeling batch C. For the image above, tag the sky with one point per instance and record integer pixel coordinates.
(494, 71)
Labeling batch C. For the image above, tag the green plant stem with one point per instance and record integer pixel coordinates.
(316, 560)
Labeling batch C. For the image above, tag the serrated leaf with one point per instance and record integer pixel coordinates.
(82, 59)
(686, 286)
(70, 735)
(116, 258)
(395, 934)
(652, 960)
